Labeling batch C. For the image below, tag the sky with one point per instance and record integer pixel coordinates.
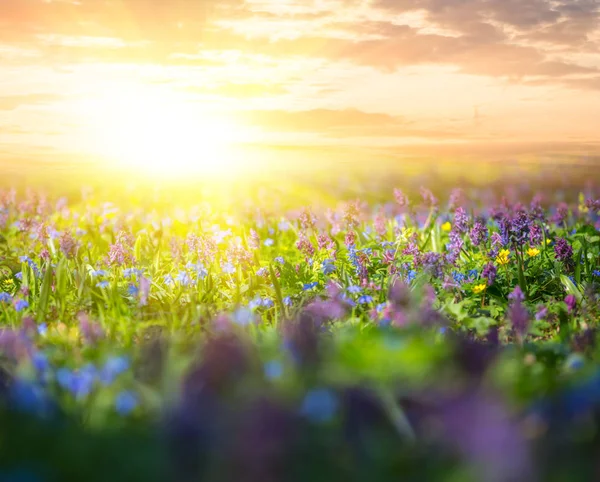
(107, 77)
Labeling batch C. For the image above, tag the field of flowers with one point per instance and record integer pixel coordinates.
(403, 333)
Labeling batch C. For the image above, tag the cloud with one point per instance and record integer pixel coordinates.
(12, 102)
(342, 123)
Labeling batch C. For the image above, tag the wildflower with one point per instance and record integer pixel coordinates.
(287, 301)
(144, 290)
(328, 267)
(5, 298)
(401, 199)
(68, 245)
(90, 330)
(478, 234)
(479, 288)
(168, 280)
(21, 305)
(571, 303)
(535, 235)
(319, 405)
(563, 250)
(279, 260)
(461, 220)
(365, 299)
(273, 370)
(310, 286)
(132, 290)
(125, 403)
(533, 252)
(517, 294)
(596, 273)
(183, 278)
(103, 284)
(42, 329)
(269, 242)
(354, 289)
(503, 257)
(446, 226)
(243, 316)
(541, 313)
(113, 367)
(95, 273)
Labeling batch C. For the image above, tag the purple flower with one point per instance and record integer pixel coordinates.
(428, 198)
(517, 294)
(433, 263)
(401, 199)
(563, 250)
(535, 235)
(461, 220)
(489, 272)
(541, 313)
(5, 298)
(519, 318)
(478, 234)
(571, 303)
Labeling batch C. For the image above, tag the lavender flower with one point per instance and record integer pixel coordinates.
(478, 234)
(571, 303)
(535, 235)
(461, 220)
(489, 272)
(563, 250)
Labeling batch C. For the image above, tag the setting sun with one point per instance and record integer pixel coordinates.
(156, 132)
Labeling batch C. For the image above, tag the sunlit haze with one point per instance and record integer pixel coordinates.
(192, 85)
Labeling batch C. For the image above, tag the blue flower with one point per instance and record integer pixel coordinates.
(21, 305)
(228, 268)
(269, 242)
(40, 361)
(365, 299)
(380, 307)
(131, 272)
(310, 286)
(243, 316)
(472, 273)
(132, 290)
(79, 383)
(319, 405)
(168, 280)
(103, 284)
(596, 273)
(273, 370)
(29, 397)
(411, 275)
(354, 289)
(280, 260)
(328, 267)
(19, 275)
(262, 272)
(113, 367)
(126, 402)
(95, 273)
(5, 298)
(183, 278)
(287, 301)
(42, 329)
(458, 277)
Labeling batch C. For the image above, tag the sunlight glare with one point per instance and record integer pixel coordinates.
(154, 132)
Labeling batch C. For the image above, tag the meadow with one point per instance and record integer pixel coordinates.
(423, 325)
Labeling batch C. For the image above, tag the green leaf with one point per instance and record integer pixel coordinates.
(570, 287)
(45, 292)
